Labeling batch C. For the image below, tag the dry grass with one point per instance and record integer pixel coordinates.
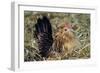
(82, 31)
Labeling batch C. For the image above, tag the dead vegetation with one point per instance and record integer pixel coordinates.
(81, 29)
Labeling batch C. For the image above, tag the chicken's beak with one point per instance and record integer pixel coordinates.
(71, 30)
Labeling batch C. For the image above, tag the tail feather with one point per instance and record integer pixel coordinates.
(44, 35)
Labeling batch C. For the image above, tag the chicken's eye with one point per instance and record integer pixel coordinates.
(65, 29)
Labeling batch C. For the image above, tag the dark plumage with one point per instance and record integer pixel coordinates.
(44, 35)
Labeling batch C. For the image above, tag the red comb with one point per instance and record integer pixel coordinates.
(68, 25)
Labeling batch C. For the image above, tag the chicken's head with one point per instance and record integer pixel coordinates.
(65, 32)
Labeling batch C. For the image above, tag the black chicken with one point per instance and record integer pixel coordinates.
(44, 35)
